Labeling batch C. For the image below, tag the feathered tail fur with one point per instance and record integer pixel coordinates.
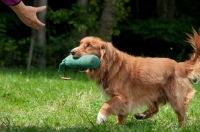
(193, 64)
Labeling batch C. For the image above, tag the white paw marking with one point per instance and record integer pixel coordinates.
(101, 118)
(142, 115)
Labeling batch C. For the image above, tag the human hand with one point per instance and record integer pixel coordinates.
(27, 14)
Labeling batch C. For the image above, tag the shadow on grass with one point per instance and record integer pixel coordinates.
(43, 129)
(7, 125)
(131, 126)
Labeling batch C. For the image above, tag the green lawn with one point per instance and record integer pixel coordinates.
(39, 101)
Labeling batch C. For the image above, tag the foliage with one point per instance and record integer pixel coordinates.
(157, 37)
(10, 54)
(122, 10)
(59, 48)
(13, 50)
(169, 31)
(77, 18)
(7, 45)
(85, 18)
(122, 13)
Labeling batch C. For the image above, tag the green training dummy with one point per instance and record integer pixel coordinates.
(85, 61)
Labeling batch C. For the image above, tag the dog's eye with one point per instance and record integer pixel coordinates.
(89, 45)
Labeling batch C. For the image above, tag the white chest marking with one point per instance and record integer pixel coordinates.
(103, 90)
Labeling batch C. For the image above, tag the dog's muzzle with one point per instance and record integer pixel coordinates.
(73, 51)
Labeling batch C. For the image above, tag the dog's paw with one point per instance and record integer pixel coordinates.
(101, 118)
(140, 116)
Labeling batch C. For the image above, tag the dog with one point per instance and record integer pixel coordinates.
(130, 82)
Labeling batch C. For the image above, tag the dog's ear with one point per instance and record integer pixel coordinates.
(107, 55)
(106, 51)
(102, 51)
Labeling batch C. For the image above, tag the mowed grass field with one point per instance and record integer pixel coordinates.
(39, 101)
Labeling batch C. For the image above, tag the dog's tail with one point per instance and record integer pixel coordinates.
(193, 64)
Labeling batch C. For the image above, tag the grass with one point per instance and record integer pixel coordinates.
(39, 101)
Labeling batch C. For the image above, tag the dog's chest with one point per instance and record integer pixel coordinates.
(104, 90)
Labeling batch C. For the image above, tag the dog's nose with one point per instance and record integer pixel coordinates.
(73, 51)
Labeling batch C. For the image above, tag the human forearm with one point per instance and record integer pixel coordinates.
(19, 8)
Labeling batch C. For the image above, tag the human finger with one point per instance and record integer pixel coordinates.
(32, 25)
(41, 8)
(39, 23)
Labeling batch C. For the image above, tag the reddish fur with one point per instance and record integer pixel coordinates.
(132, 81)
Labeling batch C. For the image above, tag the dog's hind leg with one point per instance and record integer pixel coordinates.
(180, 93)
(180, 105)
(153, 109)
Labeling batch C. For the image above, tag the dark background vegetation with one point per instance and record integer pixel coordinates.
(139, 29)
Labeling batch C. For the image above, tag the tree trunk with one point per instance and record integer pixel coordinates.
(30, 54)
(137, 8)
(33, 38)
(171, 8)
(82, 3)
(166, 9)
(108, 19)
(41, 35)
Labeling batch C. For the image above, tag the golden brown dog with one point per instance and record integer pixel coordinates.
(131, 81)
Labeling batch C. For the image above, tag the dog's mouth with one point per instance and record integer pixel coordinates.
(81, 69)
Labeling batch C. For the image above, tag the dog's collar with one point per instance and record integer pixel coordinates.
(103, 82)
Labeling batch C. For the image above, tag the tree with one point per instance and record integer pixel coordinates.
(41, 35)
(84, 4)
(33, 37)
(30, 54)
(108, 19)
(38, 39)
(114, 11)
(166, 9)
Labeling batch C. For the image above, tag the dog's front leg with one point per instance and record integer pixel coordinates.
(121, 119)
(115, 106)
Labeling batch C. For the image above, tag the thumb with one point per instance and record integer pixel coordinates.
(41, 8)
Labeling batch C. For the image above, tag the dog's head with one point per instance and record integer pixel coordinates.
(94, 46)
